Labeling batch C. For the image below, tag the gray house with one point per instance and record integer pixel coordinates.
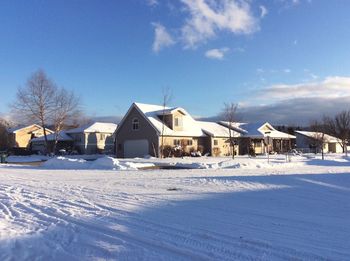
(309, 141)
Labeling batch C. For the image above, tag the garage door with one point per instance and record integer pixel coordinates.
(135, 148)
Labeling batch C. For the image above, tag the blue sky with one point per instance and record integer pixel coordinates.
(207, 52)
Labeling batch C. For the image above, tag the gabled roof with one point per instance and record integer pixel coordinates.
(62, 136)
(152, 112)
(19, 128)
(315, 135)
(95, 127)
(217, 130)
(256, 130)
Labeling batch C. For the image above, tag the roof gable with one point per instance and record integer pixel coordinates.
(152, 112)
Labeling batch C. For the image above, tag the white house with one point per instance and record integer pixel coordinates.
(309, 141)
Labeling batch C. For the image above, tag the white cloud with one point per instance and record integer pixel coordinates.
(217, 53)
(161, 38)
(298, 103)
(287, 70)
(152, 2)
(330, 87)
(208, 17)
(263, 10)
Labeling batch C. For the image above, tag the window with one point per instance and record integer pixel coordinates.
(177, 142)
(135, 124)
(178, 121)
(216, 142)
(189, 142)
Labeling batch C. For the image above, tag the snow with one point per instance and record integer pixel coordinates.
(190, 126)
(244, 209)
(102, 127)
(312, 134)
(62, 136)
(216, 130)
(106, 162)
(256, 130)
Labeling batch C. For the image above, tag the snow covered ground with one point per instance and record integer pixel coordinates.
(221, 209)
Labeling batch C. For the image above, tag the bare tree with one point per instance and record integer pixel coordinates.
(339, 126)
(318, 136)
(36, 101)
(66, 110)
(166, 98)
(40, 101)
(229, 114)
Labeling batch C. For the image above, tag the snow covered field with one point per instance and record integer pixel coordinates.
(219, 210)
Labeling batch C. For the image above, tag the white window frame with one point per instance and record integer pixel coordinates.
(135, 122)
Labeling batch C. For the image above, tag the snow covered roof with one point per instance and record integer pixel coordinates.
(217, 130)
(62, 136)
(258, 130)
(102, 127)
(314, 135)
(190, 126)
(18, 128)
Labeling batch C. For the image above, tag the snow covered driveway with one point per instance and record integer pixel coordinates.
(297, 213)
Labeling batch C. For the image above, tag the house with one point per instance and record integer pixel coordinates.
(140, 131)
(309, 141)
(63, 142)
(261, 137)
(146, 127)
(19, 138)
(218, 138)
(93, 138)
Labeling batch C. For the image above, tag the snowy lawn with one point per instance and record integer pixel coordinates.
(249, 210)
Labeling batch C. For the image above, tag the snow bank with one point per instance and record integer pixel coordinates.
(229, 164)
(104, 163)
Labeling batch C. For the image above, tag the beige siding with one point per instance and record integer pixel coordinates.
(178, 115)
(170, 141)
(22, 137)
(145, 131)
(221, 147)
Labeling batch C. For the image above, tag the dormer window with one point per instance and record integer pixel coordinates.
(178, 122)
(135, 124)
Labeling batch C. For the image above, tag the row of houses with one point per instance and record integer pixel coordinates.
(93, 138)
(154, 130)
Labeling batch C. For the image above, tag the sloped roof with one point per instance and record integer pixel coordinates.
(102, 127)
(217, 130)
(22, 127)
(190, 126)
(255, 130)
(314, 135)
(62, 136)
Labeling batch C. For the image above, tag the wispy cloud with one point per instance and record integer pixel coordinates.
(217, 54)
(152, 2)
(207, 18)
(161, 38)
(263, 10)
(330, 87)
